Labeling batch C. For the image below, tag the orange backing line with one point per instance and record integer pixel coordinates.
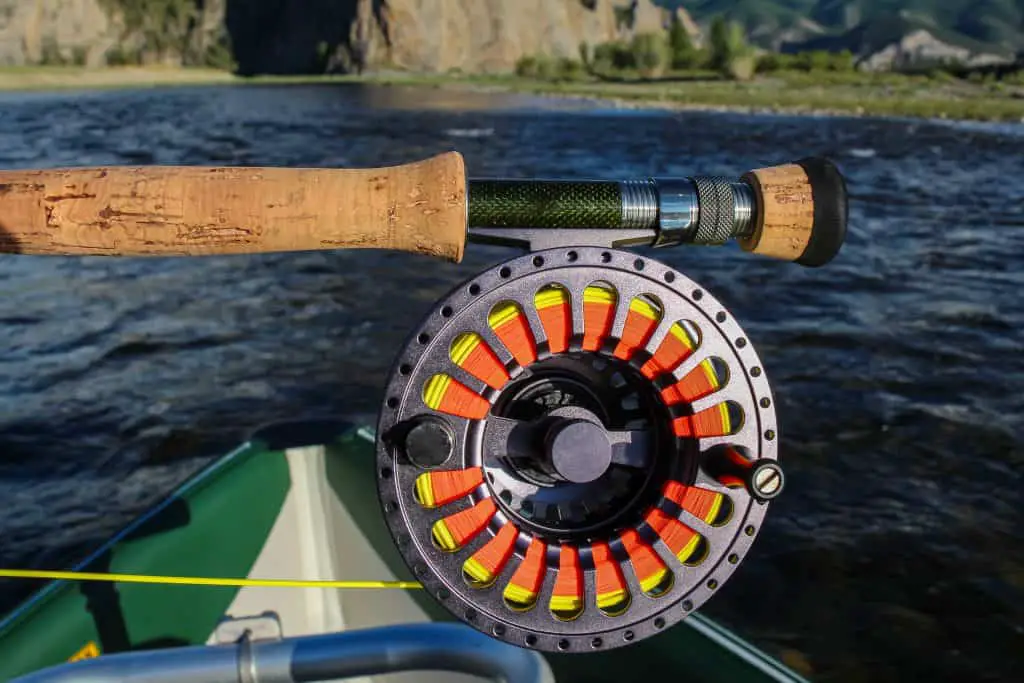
(529, 575)
(707, 423)
(697, 384)
(646, 563)
(676, 535)
(699, 502)
(637, 329)
(608, 578)
(465, 525)
(731, 481)
(489, 560)
(485, 365)
(671, 352)
(557, 322)
(515, 334)
(449, 485)
(569, 582)
(597, 323)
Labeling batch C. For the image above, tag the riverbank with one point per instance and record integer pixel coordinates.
(855, 94)
(41, 78)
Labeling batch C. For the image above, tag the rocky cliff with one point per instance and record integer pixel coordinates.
(304, 36)
(34, 31)
(425, 35)
(98, 32)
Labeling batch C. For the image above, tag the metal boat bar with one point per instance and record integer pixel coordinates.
(366, 652)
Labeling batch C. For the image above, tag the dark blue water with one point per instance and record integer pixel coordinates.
(896, 552)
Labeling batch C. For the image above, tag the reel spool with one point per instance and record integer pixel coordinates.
(577, 449)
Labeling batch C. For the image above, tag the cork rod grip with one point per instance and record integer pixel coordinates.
(801, 212)
(163, 210)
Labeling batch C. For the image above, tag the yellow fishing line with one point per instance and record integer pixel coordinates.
(201, 580)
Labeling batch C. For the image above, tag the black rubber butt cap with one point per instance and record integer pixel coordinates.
(831, 211)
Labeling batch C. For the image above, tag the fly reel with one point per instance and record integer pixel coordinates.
(577, 449)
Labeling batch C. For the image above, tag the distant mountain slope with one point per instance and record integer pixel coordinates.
(993, 26)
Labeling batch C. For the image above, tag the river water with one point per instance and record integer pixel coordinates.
(896, 551)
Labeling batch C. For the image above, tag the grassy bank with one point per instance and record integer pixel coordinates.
(36, 78)
(844, 94)
(833, 93)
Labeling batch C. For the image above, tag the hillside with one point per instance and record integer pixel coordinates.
(480, 36)
(312, 36)
(991, 26)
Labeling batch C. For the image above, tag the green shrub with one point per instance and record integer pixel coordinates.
(540, 67)
(79, 56)
(585, 55)
(526, 66)
(50, 54)
(568, 69)
(119, 55)
(650, 53)
(613, 56)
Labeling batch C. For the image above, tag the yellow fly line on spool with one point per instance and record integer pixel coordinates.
(202, 580)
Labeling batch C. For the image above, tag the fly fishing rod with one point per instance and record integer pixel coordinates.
(794, 212)
(578, 446)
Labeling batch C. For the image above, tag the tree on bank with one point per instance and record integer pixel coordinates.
(684, 54)
(730, 54)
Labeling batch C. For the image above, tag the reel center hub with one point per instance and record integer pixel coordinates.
(578, 450)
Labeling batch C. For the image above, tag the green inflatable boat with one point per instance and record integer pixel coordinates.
(296, 501)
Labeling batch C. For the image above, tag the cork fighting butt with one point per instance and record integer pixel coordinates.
(191, 211)
(800, 212)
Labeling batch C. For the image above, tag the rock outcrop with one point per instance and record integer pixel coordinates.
(434, 36)
(37, 31)
(919, 48)
(472, 35)
(309, 36)
(469, 36)
(98, 32)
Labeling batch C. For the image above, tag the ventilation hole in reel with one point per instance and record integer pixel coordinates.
(630, 403)
(513, 329)
(434, 489)
(523, 589)
(470, 352)
(481, 570)
(613, 597)
(567, 596)
(455, 531)
(617, 381)
(736, 455)
(708, 377)
(645, 312)
(599, 301)
(723, 514)
(723, 419)
(554, 308)
(651, 572)
(446, 394)
(682, 339)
